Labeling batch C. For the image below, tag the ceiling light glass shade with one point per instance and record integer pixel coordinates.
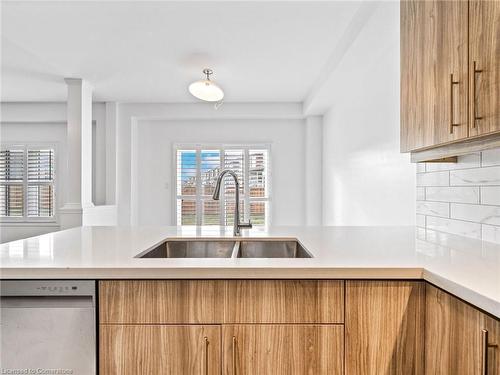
(206, 90)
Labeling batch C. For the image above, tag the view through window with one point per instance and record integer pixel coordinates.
(196, 177)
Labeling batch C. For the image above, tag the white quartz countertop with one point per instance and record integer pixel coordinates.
(467, 268)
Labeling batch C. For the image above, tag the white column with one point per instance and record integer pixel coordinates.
(79, 161)
(313, 174)
(111, 119)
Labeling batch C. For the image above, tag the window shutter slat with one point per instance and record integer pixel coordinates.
(40, 165)
(210, 169)
(234, 160)
(40, 193)
(12, 165)
(11, 200)
(40, 200)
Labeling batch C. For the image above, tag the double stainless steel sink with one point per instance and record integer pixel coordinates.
(227, 249)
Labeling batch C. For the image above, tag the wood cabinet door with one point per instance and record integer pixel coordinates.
(283, 349)
(384, 326)
(484, 66)
(433, 48)
(454, 338)
(492, 346)
(159, 349)
(452, 335)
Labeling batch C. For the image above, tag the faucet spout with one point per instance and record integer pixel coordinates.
(216, 196)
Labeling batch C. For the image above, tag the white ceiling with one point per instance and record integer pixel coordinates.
(150, 51)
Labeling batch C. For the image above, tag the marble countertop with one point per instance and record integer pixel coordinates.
(467, 268)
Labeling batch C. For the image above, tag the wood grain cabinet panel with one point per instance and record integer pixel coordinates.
(434, 46)
(272, 349)
(284, 301)
(484, 66)
(453, 336)
(492, 326)
(161, 301)
(159, 349)
(384, 327)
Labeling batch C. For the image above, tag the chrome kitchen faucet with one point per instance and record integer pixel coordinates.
(216, 196)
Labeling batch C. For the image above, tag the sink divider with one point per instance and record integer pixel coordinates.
(236, 249)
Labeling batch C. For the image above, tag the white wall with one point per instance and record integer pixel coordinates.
(366, 181)
(130, 115)
(153, 176)
(313, 174)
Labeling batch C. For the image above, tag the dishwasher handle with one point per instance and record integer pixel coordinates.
(46, 302)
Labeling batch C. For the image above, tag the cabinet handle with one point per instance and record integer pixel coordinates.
(452, 83)
(206, 354)
(475, 71)
(234, 355)
(484, 355)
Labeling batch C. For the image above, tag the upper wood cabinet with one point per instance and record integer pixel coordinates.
(459, 339)
(484, 66)
(384, 326)
(433, 72)
(440, 41)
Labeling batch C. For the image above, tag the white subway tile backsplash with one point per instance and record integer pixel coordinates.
(457, 194)
(462, 198)
(491, 157)
(491, 233)
(420, 194)
(490, 195)
(476, 213)
(461, 228)
(463, 162)
(433, 179)
(476, 176)
(441, 209)
(420, 221)
(420, 167)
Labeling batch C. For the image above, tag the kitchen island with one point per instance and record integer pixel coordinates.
(369, 300)
(467, 268)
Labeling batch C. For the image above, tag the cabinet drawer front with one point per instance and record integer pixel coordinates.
(157, 349)
(273, 349)
(284, 301)
(160, 301)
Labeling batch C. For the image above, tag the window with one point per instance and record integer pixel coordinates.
(197, 169)
(26, 182)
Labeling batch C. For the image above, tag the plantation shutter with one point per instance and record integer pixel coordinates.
(26, 182)
(40, 195)
(11, 182)
(197, 169)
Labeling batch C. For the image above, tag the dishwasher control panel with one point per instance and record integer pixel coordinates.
(12, 288)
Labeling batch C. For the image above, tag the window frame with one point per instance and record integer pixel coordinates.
(25, 219)
(221, 147)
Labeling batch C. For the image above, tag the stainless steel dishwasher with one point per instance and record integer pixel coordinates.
(47, 327)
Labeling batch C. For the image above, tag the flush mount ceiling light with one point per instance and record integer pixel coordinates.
(205, 89)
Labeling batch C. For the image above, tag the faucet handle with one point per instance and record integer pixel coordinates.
(246, 225)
